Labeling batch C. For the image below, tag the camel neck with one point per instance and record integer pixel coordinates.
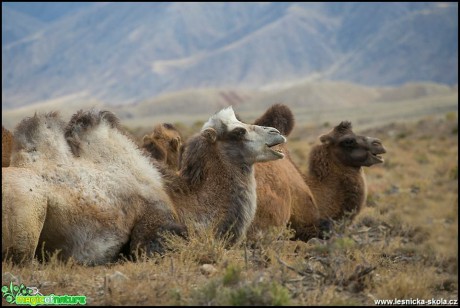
(224, 189)
(241, 189)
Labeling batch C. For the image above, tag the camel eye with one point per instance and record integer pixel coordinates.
(239, 132)
(168, 126)
(348, 142)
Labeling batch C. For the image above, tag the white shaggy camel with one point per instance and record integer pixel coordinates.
(85, 210)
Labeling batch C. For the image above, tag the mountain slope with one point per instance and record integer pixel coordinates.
(123, 53)
(386, 57)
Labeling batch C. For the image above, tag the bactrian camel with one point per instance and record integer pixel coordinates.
(216, 180)
(281, 188)
(335, 170)
(84, 209)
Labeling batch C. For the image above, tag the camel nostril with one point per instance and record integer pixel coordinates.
(377, 143)
(272, 130)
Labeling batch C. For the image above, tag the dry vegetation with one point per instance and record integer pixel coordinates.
(402, 245)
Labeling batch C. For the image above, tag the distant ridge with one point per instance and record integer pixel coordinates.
(122, 53)
(306, 99)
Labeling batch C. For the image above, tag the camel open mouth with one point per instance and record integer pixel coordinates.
(276, 150)
(377, 157)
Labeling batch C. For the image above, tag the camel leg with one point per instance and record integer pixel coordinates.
(147, 234)
(23, 214)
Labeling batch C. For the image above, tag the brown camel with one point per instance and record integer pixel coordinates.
(7, 146)
(281, 189)
(289, 200)
(164, 144)
(216, 180)
(87, 210)
(335, 173)
(335, 176)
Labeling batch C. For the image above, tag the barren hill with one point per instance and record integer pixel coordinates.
(124, 53)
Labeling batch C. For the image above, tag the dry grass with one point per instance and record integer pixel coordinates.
(402, 245)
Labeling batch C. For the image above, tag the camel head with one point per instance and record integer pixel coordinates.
(252, 143)
(164, 144)
(351, 149)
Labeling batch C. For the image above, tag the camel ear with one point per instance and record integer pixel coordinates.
(210, 134)
(325, 138)
(175, 143)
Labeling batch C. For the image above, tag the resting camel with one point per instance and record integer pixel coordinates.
(216, 181)
(87, 210)
(281, 188)
(7, 146)
(335, 172)
(283, 195)
(217, 171)
(164, 144)
(335, 175)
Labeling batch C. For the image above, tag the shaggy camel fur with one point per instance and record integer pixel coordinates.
(87, 210)
(336, 176)
(97, 138)
(164, 144)
(281, 188)
(216, 180)
(7, 146)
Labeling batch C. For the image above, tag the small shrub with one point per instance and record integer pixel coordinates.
(232, 275)
(262, 294)
(253, 293)
(206, 295)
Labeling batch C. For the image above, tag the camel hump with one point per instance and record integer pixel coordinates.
(278, 116)
(31, 130)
